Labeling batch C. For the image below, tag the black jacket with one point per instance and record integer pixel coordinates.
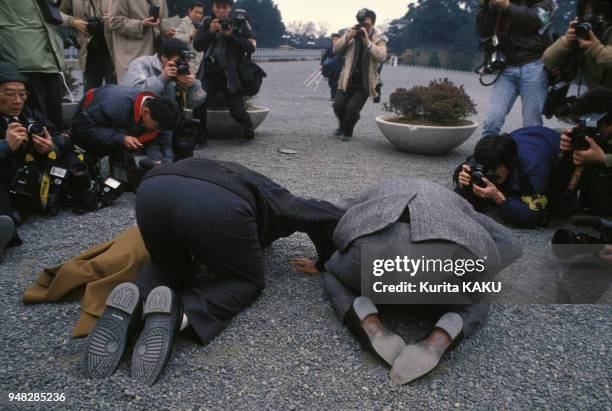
(11, 161)
(227, 51)
(523, 28)
(279, 213)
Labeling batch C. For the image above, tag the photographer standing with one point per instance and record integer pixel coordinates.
(226, 41)
(26, 138)
(188, 29)
(522, 29)
(90, 20)
(135, 30)
(592, 48)
(363, 50)
(32, 43)
(588, 152)
(167, 74)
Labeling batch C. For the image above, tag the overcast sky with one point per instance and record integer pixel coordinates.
(339, 13)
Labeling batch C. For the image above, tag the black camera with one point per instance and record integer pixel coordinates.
(478, 172)
(587, 23)
(558, 104)
(154, 11)
(34, 128)
(495, 59)
(226, 24)
(182, 64)
(567, 243)
(588, 126)
(94, 25)
(361, 17)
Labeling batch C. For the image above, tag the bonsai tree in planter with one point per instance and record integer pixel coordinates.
(429, 119)
(442, 103)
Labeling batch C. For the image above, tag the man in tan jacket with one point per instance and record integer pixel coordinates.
(597, 47)
(90, 21)
(187, 30)
(134, 31)
(363, 50)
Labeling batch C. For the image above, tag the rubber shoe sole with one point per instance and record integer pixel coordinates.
(110, 337)
(154, 346)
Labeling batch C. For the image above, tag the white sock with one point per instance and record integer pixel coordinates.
(185, 322)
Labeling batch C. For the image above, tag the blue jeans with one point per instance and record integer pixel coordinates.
(531, 83)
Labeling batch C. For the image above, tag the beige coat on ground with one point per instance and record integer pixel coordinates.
(130, 38)
(377, 54)
(80, 10)
(183, 32)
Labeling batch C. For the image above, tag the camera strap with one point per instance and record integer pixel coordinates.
(93, 7)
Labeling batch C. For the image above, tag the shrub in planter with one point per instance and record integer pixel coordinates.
(442, 103)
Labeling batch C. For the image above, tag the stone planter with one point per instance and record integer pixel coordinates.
(428, 140)
(68, 112)
(222, 126)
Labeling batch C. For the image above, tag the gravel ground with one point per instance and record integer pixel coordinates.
(288, 351)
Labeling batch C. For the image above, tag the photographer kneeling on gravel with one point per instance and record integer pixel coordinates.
(120, 122)
(511, 172)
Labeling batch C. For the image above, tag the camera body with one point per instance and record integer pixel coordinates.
(588, 126)
(361, 17)
(495, 59)
(94, 25)
(589, 22)
(182, 64)
(478, 172)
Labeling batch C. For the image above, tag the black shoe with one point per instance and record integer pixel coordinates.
(249, 133)
(163, 316)
(384, 344)
(7, 231)
(114, 330)
(338, 132)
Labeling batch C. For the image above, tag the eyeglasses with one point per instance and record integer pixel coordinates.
(23, 94)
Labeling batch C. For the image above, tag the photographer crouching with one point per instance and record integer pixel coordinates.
(364, 50)
(516, 33)
(125, 124)
(168, 74)
(512, 173)
(586, 46)
(583, 179)
(38, 165)
(226, 40)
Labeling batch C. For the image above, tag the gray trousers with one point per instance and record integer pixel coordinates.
(342, 282)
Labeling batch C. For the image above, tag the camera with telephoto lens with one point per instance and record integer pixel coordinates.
(567, 243)
(588, 126)
(182, 64)
(478, 172)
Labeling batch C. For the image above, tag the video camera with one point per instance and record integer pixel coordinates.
(567, 243)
